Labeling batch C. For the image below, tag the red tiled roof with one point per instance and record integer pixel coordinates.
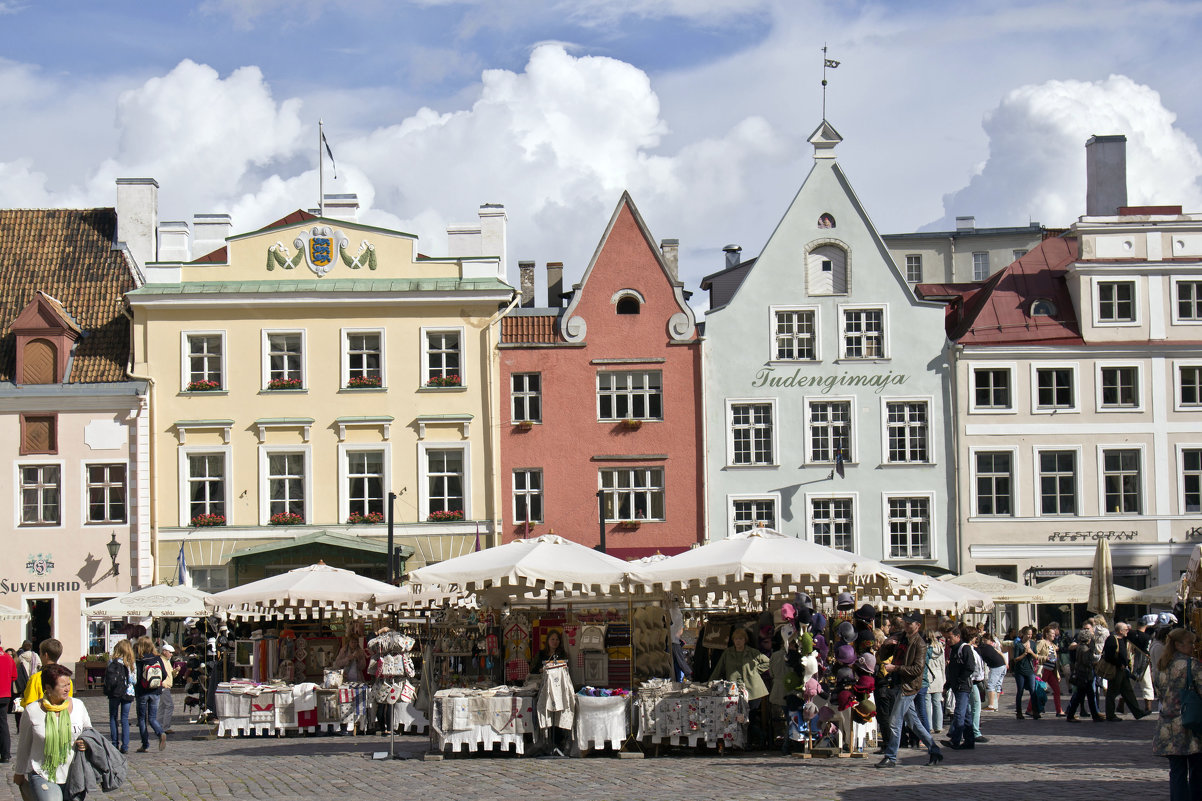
(294, 217)
(529, 328)
(998, 311)
(218, 256)
(67, 254)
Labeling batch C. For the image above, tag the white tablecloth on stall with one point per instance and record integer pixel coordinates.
(602, 721)
(480, 719)
(712, 713)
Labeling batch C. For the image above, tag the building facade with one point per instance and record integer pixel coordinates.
(826, 388)
(72, 424)
(966, 254)
(302, 372)
(1079, 393)
(601, 423)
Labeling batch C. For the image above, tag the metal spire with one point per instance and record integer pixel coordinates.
(827, 63)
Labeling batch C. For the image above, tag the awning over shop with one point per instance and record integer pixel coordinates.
(363, 556)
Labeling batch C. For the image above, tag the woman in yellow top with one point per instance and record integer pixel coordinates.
(743, 666)
(51, 651)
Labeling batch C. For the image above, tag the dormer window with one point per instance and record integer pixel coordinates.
(826, 221)
(627, 301)
(39, 362)
(44, 334)
(1042, 307)
(628, 305)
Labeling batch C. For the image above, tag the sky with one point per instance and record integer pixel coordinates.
(700, 108)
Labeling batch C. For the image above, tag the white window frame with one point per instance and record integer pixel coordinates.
(909, 279)
(663, 488)
(1178, 405)
(814, 310)
(426, 331)
(423, 476)
(1037, 478)
(853, 456)
(18, 495)
(1011, 369)
(1181, 448)
(85, 504)
(345, 367)
(1177, 318)
(731, 499)
(1075, 370)
(886, 348)
(515, 493)
(184, 498)
(630, 390)
(344, 477)
(854, 497)
(87, 599)
(1018, 253)
(1141, 394)
(932, 532)
(1143, 478)
(194, 571)
(932, 430)
(525, 394)
(1136, 301)
(265, 451)
(185, 368)
(975, 265)
(973, 452)
(265, 354)
(730, 432)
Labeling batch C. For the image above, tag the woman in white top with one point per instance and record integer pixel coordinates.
(50, 737)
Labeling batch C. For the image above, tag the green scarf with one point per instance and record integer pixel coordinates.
(58, 742)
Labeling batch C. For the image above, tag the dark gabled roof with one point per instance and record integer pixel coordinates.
(67, 254)
(998, 311)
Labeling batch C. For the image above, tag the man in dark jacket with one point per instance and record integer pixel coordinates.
(960, 667)
(906, 675)
(1115, 652)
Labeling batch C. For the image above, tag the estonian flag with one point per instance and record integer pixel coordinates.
(326, 142)
(181, 564)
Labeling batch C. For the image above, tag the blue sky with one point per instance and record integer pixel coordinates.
(699, 107)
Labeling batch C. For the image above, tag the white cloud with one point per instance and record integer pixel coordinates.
(1036, 163)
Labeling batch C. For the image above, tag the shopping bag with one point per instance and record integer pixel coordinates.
(1191, 702)
(1039, 696)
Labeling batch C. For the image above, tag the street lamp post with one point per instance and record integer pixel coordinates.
(114, 548)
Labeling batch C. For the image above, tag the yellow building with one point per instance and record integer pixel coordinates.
(303, 371)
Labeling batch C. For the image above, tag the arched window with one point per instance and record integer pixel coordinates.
(826, 266)
(1042, 307)
(827, 220)
(38, 362)
(628, 304)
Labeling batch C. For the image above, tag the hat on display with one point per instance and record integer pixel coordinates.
(1148, 620)
(845, 699)
(866, 614)
(866, 664)
(865, 636)
(168, 647)
(805, 615)
(865, 684)
(792, 681)
(825, 714)
(806, 644)
(818, 623)
(864, 711)
(847, 632)
(913, 617)
(845, 602)
(845, 675)
(809, 711)
(788, 612)
(802, 601)
(811, 688)
(845, 654)
(821, 647)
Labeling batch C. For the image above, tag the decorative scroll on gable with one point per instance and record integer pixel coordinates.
(317, 248)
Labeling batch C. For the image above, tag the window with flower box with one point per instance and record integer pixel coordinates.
(442, 357)
(362, 358)
(204, 361)
(364, 486)
(283, 360)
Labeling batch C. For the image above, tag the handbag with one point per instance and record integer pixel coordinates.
(1191, 702)
(1105, 670)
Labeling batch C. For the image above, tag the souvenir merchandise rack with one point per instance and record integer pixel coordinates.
(394, 667)
(244, 708)
(691, 713)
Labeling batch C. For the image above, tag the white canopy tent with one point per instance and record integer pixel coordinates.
(754, 564)
(1161, 594)
(158, 600)
(1000, 590)
(8, 613)
(306, 592)
(1074, 588)
(940, 597)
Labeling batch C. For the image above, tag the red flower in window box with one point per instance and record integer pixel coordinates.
(525, 425)
(207, 520)
(628, 525)
(371, 518)
(202, 386)
(286, 519)
(284, 383)
(633, 425)
(444, 381)
(448, 516)
(364, 382)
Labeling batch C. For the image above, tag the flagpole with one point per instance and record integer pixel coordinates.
(321, 173)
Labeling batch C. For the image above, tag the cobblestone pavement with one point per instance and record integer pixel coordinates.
(1070, 761)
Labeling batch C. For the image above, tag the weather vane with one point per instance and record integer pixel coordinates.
(827, 63)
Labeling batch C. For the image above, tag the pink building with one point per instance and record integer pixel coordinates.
(602, 401)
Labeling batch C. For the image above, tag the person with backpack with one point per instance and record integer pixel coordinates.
(147, 689)
(119, 687)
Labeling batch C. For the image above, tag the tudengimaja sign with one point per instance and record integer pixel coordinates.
(767, 377)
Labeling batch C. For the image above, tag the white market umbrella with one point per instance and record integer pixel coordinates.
(1101, 582)
(941, 597)
(1161, 594)
(304, 592)
(548, 562)
(8, 613)
(1073, 588)
(760, 561)
(158, 600)
(409, 597)
(1001, 590)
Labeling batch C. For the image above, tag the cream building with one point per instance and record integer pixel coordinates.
(305, 370)
(1078, 374)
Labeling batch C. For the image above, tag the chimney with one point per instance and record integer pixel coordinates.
(138, 217)
(732, 255)
(209, 232)
(670, 248)
(342, 207)
(174, 242)
(492, 234)
(1105, 175)
(526, 283)
(966, 223)
(554, 284)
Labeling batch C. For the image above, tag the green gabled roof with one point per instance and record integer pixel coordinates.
(327, 285)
